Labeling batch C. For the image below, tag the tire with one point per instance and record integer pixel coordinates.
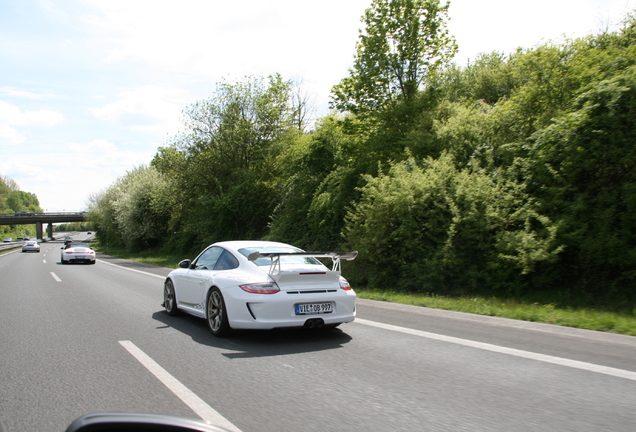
(216, 313)
(170, 298)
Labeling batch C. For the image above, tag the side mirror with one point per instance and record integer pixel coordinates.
(185, 264)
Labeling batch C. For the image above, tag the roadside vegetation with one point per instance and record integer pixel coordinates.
(13, 200)
(152, 257)
(524, 310)
(512, 177)
(73, 226)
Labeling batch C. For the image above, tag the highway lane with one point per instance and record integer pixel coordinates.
(64, 354)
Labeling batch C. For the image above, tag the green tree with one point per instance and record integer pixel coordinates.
(133, 212)
(404, 40)
(23, 201)
(489, 79)
(227, 184)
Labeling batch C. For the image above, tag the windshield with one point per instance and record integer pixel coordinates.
(283, 259)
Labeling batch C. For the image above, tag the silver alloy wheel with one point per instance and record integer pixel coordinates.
(215, 311)
(169, 299)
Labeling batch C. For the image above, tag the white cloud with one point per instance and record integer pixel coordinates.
(64, 180)
(100, 153)
(11, 116)
(97, 146)
(9, 135)
(13, 92)
(153, 109)
(504, 25)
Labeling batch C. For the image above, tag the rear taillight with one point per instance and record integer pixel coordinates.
(261, 288)
(344, 284)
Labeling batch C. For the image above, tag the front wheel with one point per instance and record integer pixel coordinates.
(169, 298)
(216, 314)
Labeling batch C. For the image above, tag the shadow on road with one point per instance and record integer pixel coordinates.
(257, 343)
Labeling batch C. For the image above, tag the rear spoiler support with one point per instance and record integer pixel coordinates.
(275, 257)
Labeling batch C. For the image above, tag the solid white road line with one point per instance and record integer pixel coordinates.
(132, 270)
(55, 277)
(590, 367)
(202, 409)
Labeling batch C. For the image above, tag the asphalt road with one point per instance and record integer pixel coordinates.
(77, 339)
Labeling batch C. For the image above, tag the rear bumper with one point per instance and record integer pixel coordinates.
(270, 311)
(79, 260)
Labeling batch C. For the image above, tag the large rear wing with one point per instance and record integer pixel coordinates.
(275, 257)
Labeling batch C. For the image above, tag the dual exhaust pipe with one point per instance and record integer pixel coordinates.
(314, 323)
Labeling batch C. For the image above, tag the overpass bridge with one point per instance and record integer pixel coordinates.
(39, 219)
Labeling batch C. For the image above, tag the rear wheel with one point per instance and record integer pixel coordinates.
(216, 313)
(169, 298)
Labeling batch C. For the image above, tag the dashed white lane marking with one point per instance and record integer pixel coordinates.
(202, 409)
(55, 277)
(44, 261)
(590, 367)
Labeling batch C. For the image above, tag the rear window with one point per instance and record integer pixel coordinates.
(283, 259)
(77, 246)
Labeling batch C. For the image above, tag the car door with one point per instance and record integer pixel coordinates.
(194, 281)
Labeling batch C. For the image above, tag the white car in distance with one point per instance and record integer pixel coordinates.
(30, 246)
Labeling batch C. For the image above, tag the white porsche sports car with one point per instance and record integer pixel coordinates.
(31, 245)
(77, 252)
(261, 285)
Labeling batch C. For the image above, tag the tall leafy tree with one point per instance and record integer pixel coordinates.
(134, 211)
(402, 42)
(227, 180)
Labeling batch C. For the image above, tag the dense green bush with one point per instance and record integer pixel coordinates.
(436, 228)
(133, 212)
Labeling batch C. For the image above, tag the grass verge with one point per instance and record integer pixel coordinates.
(158, 258)
(584, 318)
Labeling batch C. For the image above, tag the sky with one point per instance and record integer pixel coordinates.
(90, 89)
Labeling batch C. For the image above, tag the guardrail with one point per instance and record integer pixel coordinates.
(43, 214)
(10, 245)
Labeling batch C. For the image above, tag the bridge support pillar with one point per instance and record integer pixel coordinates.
(49, 231)
(38, 230)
